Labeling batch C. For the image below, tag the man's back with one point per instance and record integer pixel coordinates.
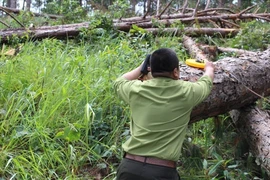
(161, 110)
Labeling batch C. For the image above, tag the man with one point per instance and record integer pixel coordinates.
(160, 112)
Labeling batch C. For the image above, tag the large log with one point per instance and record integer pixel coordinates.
(194, 49)
(72, 30)
(238, 82)
(124, 26)
(254, 125)
(59, 31)
(236, 51)
(233, 80)
(189, 17)
(223, 32)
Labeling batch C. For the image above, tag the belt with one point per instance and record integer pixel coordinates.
(151, 160)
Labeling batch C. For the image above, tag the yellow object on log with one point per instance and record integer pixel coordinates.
(195, 63)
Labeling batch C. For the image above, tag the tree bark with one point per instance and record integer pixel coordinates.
(148, 6)
(233, 79)
(254, 125)
(8, 3)
(13, 3)
(207, 12)
(60, 31)
(221, 3)
(238, 82)
(239, 3)
(194, 49)
(223, 32)
(157, 10)
(236, 51)
(28, 5)
(133, 5)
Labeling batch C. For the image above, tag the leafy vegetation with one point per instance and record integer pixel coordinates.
(254, 35)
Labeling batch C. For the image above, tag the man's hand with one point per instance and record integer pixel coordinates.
(141, 72)
(133, 74)
(209, 69)
(146, 65)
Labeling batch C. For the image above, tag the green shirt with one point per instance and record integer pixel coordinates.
(160, 112)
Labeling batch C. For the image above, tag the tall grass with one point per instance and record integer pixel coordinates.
(58, 111)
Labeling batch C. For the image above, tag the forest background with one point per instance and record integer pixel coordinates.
(59, 116)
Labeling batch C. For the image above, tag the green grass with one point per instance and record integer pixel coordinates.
(58, 109)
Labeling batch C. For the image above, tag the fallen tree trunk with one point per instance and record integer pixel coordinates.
(187, 18)
(207, 12)
(205, 52)
(60, 31)
(236, 51)
(72, 30)
(204, 19)
(254, 125)
(238, 82)
(194, 50)
(223, 32)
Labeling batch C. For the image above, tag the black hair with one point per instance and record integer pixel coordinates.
(163, 60)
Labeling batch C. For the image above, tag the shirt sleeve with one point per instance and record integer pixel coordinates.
(122, 88)
(202, 89)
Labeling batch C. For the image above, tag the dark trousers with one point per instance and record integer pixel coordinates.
(134, 170)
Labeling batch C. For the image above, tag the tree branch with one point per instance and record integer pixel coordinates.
(165, 9)
(245, 10)
(3, 9)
